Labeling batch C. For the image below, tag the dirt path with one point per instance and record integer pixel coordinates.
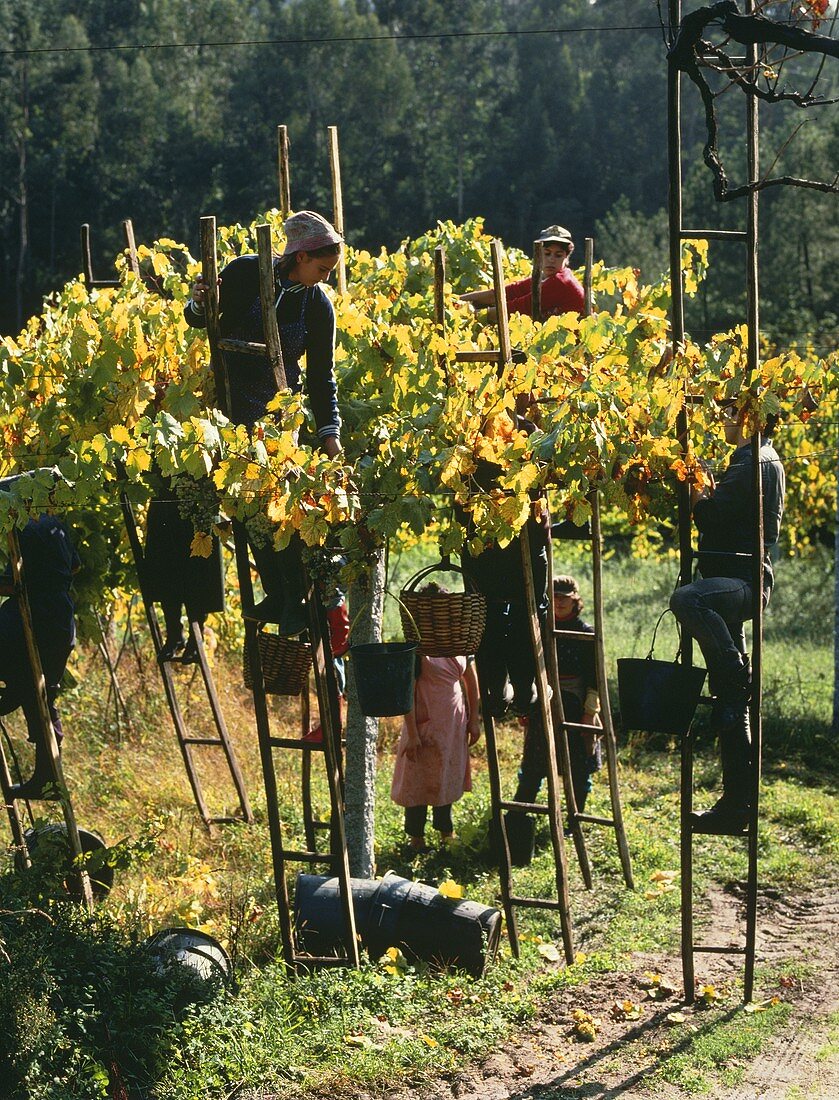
(801, 1062)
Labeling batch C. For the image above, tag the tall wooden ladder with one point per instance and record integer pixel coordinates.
(749, 238)
(510, 898)
(188, 742)
(56, 789)
(335, 860)
(575, 818)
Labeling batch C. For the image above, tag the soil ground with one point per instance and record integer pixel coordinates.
(547, 1062)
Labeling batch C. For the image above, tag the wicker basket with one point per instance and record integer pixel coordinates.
(285, 664)
(448, 624)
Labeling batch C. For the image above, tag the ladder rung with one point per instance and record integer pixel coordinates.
(526, 807)
(477, 356)
(202, 741)
(582, 726)
(708, 949)
(744, 832)
(226, 820)
(535, 903)
(295, 743)
(248, 347)
(307, 857)
(101, 284)
(320, 960)
(592, 819)
(321, 825)
(713, 234)
(577, 635)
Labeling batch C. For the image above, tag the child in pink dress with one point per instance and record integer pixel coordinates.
(432, 757)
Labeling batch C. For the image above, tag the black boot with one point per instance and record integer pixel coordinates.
(731, 814)
(41, 784)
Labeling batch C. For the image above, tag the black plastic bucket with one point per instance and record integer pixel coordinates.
(384, 677)
(658, 696)
(100, 873)
(395, 912)
(193, 949)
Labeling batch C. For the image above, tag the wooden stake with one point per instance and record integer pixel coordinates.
(267, 294)
(87, 261)
(209, 263)
(337, 202)
(283, 170)
(440, 303)
(504, 345)
(587, 277)
(536, 283)
(131, 245)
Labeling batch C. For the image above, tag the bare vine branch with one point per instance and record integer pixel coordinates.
(687, 53)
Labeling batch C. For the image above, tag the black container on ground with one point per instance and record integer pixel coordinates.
(384, 677)
(395, 912)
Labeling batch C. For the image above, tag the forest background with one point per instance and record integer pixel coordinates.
(527, 112)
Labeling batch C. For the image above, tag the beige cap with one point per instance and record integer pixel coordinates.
(556, 233)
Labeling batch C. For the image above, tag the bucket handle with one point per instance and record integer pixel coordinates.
(666, 611)
(401, 604)
(444, 565)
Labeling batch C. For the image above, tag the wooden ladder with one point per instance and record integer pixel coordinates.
(187, 742)
(336, 859)
(57, 788)
(511, 900)
(749, 238)
(575, 818)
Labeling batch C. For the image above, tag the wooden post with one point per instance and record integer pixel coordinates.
(267, 294)
(440, 304)
(587, 275)
(283, 170)
(536, 283)
(209, 263)
(504, 346)
(131, 245)
(337, 203)
(87, 261)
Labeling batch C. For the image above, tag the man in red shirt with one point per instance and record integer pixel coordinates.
(561, 291)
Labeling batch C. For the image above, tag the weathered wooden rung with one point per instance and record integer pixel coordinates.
(712, 234)
(477, 356)
(526, 807)
(246, 347)
(581, 726)
(307, 857)
(321, 825)
(577, 635)
(710, 949)
(593, 819)
(203, 741)
(535, 903)
(296, 743)
(320, 960)
(226, 821)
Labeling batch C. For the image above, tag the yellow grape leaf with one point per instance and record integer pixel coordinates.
(137, 461)
(120, 434)
(450, 889)
(429, 1042)
(201, 545)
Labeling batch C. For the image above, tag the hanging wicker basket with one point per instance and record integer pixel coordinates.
(446, 624)
(285, 664)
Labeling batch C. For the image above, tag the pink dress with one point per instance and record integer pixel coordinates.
(441, 772)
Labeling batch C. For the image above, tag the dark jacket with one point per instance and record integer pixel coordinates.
(251, 376)
(725, 520)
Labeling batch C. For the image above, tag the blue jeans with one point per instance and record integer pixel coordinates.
(713, 611)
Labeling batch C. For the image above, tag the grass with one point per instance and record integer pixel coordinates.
(373, 1029)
